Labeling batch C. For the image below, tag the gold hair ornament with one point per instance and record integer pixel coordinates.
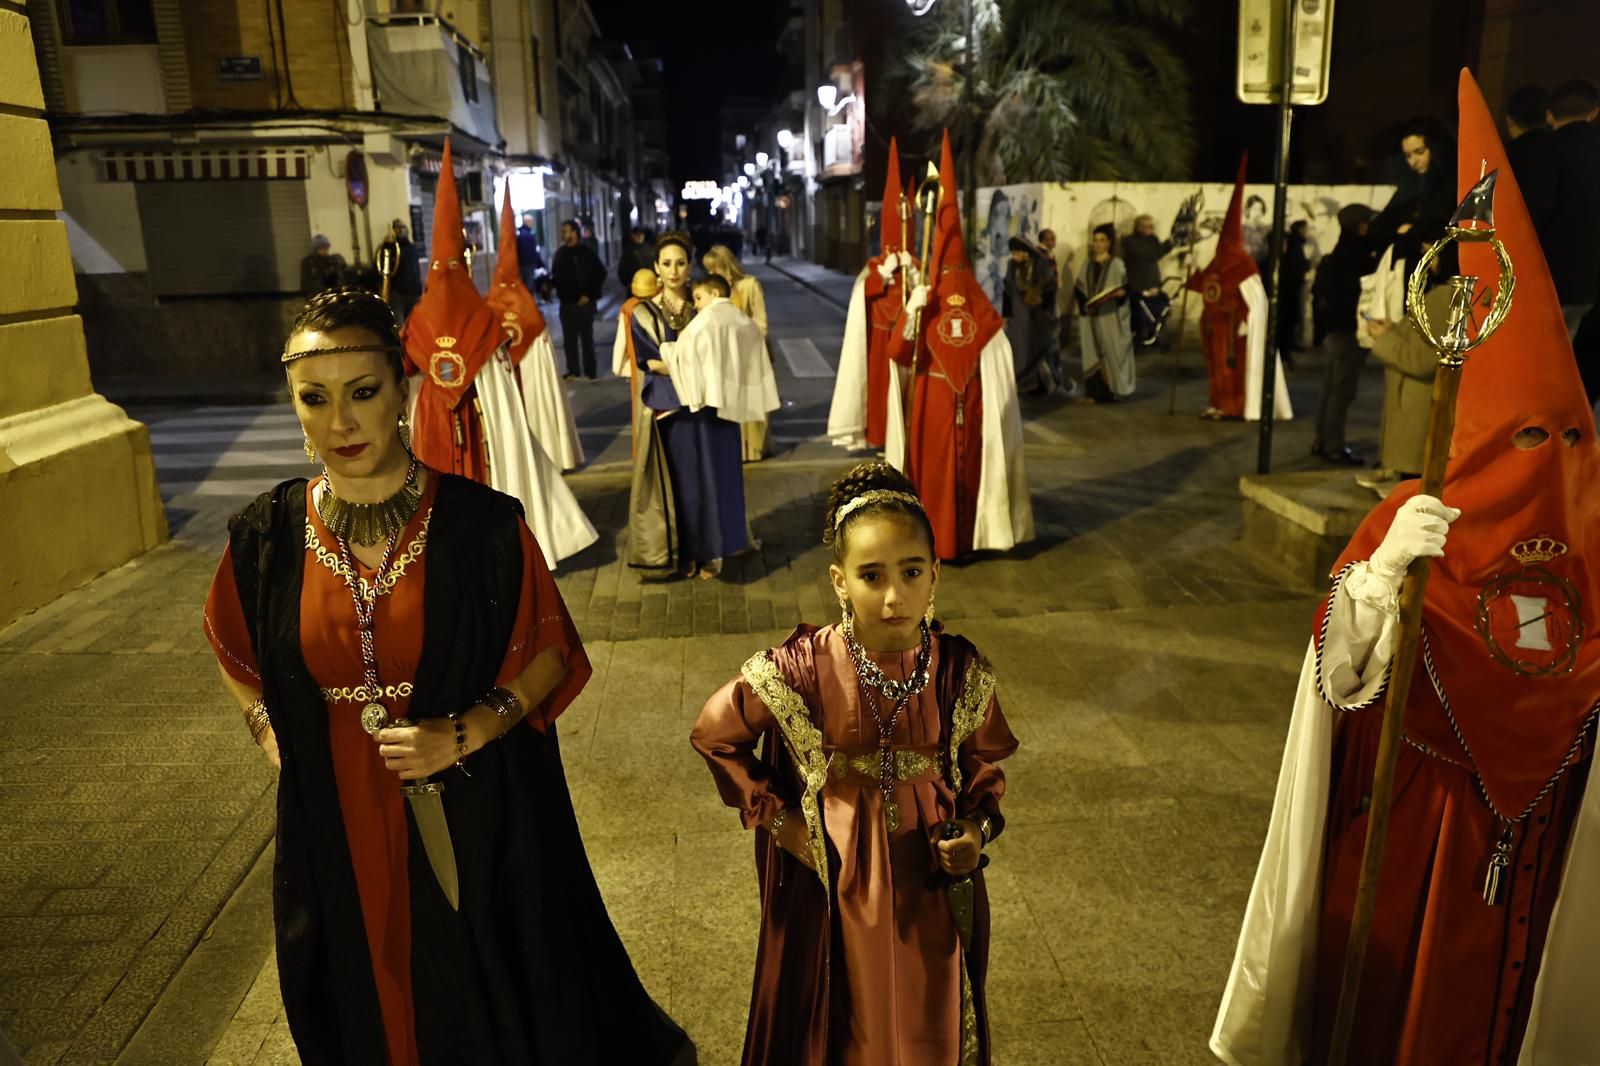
(335, 349)
(874, 496)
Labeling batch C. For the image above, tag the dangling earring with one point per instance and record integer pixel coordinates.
(311, 453)
(405, 433)
(844, 611)
(927, 616)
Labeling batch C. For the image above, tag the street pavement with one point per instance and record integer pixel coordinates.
(1146, 662)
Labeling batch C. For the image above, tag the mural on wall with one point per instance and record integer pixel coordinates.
(1073, 211)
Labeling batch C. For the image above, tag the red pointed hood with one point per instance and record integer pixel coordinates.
(1232, 262)
(509, 298)
(959, 319)
(1517, 505)
(891, 237)
(451, 332)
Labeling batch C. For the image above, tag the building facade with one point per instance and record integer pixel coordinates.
(203, 143)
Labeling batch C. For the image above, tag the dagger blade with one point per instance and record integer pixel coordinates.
(427, 807)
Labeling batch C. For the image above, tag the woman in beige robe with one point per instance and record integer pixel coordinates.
(748, 297)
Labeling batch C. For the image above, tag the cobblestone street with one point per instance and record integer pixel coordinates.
(1146, 662)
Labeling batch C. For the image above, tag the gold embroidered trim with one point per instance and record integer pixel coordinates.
(977, 689)
(805, 746)
(217, 640)
(391, 577)
(907, 764)
(969, 1019)
(359, 694)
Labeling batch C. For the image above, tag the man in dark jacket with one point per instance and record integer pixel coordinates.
(578, 275)
(1561, 192)
(1337, 292)
(405, 289)
(636, 256)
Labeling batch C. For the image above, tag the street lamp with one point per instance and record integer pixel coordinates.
(750, 169)
(786, 139)
(762, 159)
(826, 95)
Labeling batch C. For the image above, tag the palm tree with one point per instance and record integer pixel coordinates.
(1062, 90)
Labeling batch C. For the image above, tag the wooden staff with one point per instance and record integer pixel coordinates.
(929, 194)
(1473, 223)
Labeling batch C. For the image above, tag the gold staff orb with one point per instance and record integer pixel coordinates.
(1473, 223)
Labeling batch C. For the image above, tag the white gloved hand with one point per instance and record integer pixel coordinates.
(888, 266)
(1419, 529)
(917, 300)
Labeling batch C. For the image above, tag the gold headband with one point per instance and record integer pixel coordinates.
(873, 496)
(289, 357)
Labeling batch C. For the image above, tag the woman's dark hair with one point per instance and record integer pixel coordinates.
(864, 478)
(353, 308)
(1108, 231)
(675, 237)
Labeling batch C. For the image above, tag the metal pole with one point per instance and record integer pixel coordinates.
(969, 149)
(1280, 207)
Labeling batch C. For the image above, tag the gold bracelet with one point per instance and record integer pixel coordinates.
(256, 719)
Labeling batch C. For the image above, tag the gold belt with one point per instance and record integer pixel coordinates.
(910, 764)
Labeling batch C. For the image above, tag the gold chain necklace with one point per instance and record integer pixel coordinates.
(369, 523)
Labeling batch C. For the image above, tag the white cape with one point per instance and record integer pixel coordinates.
(1005, 510)
(619, 348)
(1255, 297)
(519, 467)
(1265, 1016)
(847, 415)
(720, 360)
(545, 400)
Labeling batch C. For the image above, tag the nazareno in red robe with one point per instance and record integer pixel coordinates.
(1499, 723)
(884, 302)
(1225, 311)
(944, 433)
(448, 337)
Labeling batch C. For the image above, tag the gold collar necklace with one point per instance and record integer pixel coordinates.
(369, 523)
(681, 319)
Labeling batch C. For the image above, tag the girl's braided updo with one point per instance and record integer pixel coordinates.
(357, 308)
(862, 479)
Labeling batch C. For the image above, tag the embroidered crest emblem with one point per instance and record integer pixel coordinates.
(510, 324)
(1531, 618)
(1213, 291)
(956, 301)
(957, 327)
(447, 369)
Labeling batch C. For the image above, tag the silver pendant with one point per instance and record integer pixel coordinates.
(374, 716)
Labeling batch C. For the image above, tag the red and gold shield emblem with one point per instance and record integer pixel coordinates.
(957, 327)
(1531, 618)
(447, 369)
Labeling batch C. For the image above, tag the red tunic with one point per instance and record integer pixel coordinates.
(944, 437)
(369, 794)
(1225, 347)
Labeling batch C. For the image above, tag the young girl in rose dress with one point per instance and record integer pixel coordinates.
(868, 753)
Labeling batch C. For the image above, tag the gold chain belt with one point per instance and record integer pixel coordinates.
(360, 694)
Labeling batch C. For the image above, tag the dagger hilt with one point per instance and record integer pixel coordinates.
(951, 830)
(409, 786)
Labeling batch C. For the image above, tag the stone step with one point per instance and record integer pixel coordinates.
(1300, 522)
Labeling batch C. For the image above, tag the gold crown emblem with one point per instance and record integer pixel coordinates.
(956, 301)
(445, 342)
(511, 316)
(1537, 550)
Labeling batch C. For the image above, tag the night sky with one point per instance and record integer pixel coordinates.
(709, 51)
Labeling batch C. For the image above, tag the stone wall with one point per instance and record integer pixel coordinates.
(77, 482)
(1074, 210)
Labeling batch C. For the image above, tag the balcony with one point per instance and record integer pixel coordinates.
(421, 65)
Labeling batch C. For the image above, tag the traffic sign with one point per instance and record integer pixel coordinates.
(1260, 65)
